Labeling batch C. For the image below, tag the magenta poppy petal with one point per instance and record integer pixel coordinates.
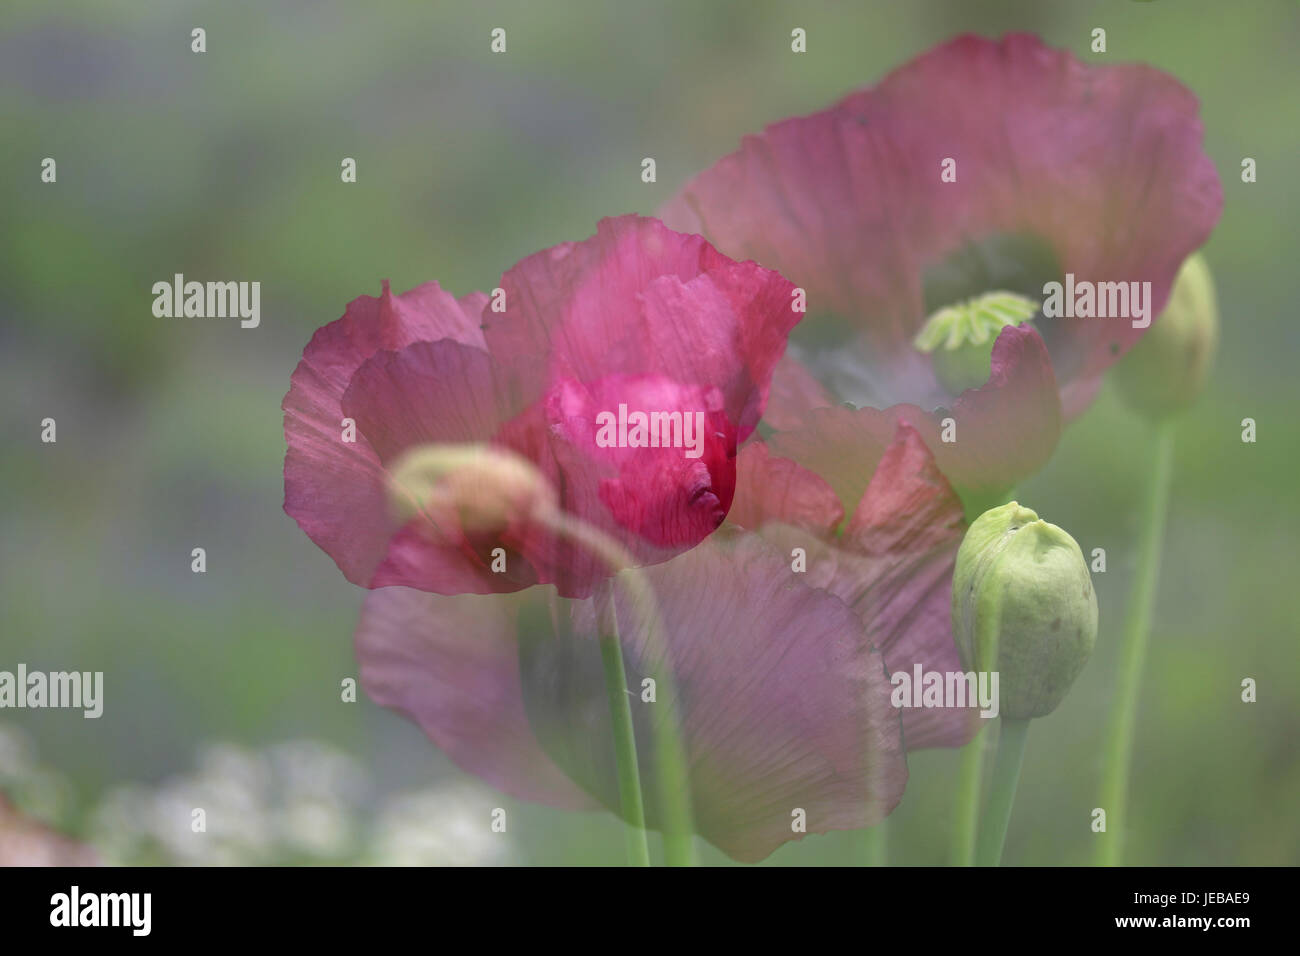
(429, 392)
(1006, 429)
(445, 392)
(783, 705)
(1102, 162)
(329, 484)
(909, 525)
(668, 495)
(451, 664)
(776, 490)
(893, 565)
(640, 299)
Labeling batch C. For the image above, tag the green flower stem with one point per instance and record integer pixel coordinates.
(674, 787)
(875, 844)
(970, 777)
(670, 753)
(966, 820)
(1006, 777)
(1137, 629)
(620, 712)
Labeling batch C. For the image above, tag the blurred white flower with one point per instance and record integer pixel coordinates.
(298, 802)
(444, 826)
(118, 826)
(309, 768)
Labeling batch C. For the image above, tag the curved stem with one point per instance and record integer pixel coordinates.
(1137, 629)
(1006, 777)
(671, 762)
(629, 774)
(966, 818)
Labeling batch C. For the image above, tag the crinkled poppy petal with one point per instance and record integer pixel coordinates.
(1104, 163)
(782, 703)
(1001, 432)
(893, 564)
(770, 489)
(330, 484)
(663, 453)
(640, 299)
(909, 524)
(451, 664)
(430, 392)
(1008, 428)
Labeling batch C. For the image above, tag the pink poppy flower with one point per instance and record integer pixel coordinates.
(878, 526)
(780, 674)
(636, 320)
(980, 166)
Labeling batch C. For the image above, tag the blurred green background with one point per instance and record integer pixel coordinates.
(225, 165)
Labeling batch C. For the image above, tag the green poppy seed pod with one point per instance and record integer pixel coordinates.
(1166, 370)
(478, 488)
(1023, 605)
(959, 338)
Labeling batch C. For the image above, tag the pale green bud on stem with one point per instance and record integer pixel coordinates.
(1023, 604)
(1166, 371)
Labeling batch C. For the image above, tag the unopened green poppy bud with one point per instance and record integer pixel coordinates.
(1023, 605)
(1166, 370)
(959, 338)
(472, 487)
